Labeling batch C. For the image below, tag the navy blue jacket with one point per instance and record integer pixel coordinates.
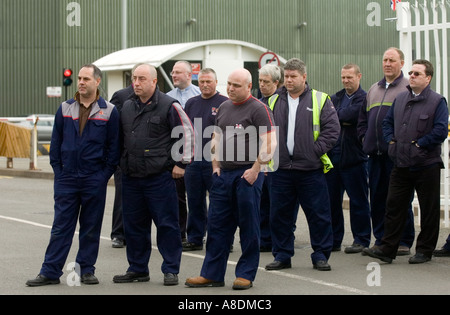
(96, 149)
(421, 120)
(348, 149)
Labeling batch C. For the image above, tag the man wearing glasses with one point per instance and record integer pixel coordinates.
(183, 91)
(415, 127)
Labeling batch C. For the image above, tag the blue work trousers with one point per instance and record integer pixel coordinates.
(380, 168)
(197, 178)
(233, 203)
(309, 189)
(76, 198)
(354, 181)
(146, 199)
(266, 237)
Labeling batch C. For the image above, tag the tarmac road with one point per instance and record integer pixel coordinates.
(26, 214)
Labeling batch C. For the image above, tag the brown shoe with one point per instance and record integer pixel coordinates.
(242, 284)
(201, 282)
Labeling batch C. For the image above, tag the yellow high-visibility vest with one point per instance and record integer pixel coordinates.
(317, 98)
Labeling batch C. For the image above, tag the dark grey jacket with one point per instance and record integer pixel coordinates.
(307, 152)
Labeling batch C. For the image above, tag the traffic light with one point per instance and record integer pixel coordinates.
(67, 77)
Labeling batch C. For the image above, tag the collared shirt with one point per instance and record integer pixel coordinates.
(84, 111)
(183, 95)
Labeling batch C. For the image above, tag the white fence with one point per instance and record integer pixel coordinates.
(423, 27)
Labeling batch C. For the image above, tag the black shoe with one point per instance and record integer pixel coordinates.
(322, 265)
(441, 252)
(354, 248)
(118, 243)
(41, 280)
(131, 277)
(189, 246)
(375, 252)
(170, 279)
(336, 249)
(278, 265)
(419, 258)
(89, 278)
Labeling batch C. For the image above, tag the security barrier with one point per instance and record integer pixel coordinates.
(14, 141)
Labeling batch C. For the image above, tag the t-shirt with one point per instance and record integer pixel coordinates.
(202, 113)
(241, 125)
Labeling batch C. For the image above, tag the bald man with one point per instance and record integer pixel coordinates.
(243, 123)
(148, 164)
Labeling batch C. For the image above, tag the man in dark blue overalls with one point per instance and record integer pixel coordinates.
(149, 162)
(84, 153)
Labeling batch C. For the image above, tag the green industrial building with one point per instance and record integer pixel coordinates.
(40, 38)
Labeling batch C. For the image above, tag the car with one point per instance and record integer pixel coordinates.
(44, 126)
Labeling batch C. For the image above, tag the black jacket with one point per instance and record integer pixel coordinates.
(147, 135)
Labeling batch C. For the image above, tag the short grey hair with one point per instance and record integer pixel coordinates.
(208, 70)
(271, 70)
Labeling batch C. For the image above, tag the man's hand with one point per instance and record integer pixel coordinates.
(251, 175)
(177, 172)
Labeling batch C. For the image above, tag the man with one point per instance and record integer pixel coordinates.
(350, 165)
(184, 90)
(148, 160)
(117, 233)
(415, 127)
(84, 153)
(269, 81)
(379, 99)
(182, 81)
(300, 178)
(202, 111)
(243, 123)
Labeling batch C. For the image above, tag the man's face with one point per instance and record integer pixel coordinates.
(418, 80)
(207, 84)
(238, 88)
(266, 85)
(350, 80)
(294, 81)
(87, 84)
(392, 65)
(181, 77)
(144, 83)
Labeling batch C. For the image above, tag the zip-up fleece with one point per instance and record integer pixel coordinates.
(96, 149)
(378, 101)
(307, 152)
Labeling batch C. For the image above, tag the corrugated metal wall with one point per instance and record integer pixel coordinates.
(36, 43)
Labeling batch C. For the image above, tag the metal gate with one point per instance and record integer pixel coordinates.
(423, 27)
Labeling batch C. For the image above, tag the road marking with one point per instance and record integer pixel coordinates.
(230, 262)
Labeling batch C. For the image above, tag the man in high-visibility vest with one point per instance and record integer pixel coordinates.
(308, 129)
(270, 79)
